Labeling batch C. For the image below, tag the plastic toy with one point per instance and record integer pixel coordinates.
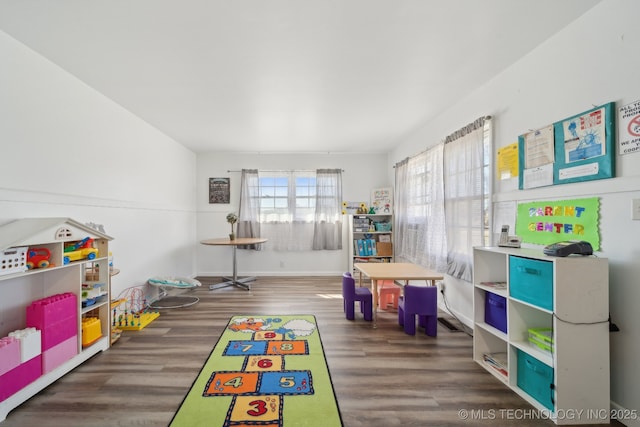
(136, 314)
(38, 258)
(90, 331)
(84, 243)
(91, 293)
(79, 250)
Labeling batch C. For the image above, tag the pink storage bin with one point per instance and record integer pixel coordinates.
(20, 377)
(56, 316)
(59, 332)
(57, 355)
(9, 354)
(52, 309)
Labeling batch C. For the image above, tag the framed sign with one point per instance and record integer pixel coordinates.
(219, 190)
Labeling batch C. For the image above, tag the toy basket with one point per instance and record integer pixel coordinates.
(382, 226)
(13, 260)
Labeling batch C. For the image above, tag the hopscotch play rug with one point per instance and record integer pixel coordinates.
(267, 371)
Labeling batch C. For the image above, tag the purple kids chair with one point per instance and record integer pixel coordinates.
(423, 302)
(351, 294)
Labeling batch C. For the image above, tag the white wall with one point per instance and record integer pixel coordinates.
(68, 151)
(591, 62)
(362, 173)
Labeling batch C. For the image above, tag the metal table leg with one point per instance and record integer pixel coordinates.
(234, 281)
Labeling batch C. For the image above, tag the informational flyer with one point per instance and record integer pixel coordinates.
(508, 161)
(584, 136)
(629, 128)
(540, 176)
(539, 148)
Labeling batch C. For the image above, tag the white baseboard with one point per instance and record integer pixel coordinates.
(461, 317)
(630, 418)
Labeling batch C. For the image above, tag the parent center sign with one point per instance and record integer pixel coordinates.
(549, 222)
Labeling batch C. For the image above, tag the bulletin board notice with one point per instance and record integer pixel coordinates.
(579, 148)
(585, 146)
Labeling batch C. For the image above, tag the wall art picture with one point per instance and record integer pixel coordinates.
(219, 190)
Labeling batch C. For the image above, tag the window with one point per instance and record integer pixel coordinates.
(295, 210)
(420, 221)
(287, 196)
(467, 194)
(305, 193)
(443, 201)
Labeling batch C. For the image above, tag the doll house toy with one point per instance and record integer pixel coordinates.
(49, 300)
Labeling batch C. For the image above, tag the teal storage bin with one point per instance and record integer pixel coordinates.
(536, 379)
(531, 280)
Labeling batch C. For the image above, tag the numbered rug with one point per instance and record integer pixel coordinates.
(267, 371)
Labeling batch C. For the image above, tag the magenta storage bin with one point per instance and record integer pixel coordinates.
(20, 377)
(56, 316)
(495, 311)
(53, 335)
(50, 310)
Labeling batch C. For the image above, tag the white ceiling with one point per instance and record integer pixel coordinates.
(286, 75)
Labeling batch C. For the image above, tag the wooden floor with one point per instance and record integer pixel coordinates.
(381, 377)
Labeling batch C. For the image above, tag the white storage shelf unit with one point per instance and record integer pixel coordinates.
(573, 301)
(374, 227)
(19, 288)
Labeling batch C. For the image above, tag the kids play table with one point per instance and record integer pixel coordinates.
(397, 271)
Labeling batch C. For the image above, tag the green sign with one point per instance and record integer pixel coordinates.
(549, 222)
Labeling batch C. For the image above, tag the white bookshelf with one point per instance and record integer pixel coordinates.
(358, 231)
(579, 359)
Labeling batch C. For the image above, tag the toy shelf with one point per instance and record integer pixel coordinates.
(370, 238)
(51, 296)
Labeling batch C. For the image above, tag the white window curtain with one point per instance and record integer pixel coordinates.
(420, 235)
(466, 195)
(285, 227)
(328, 216)
(249, 209)
(294, 210)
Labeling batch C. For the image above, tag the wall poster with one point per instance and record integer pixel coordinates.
(537, 155)
(219, 190)
(382, 200)
(507, 161)
(547, 222)
(585, 146)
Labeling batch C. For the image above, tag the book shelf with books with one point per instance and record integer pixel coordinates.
(370, 238)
